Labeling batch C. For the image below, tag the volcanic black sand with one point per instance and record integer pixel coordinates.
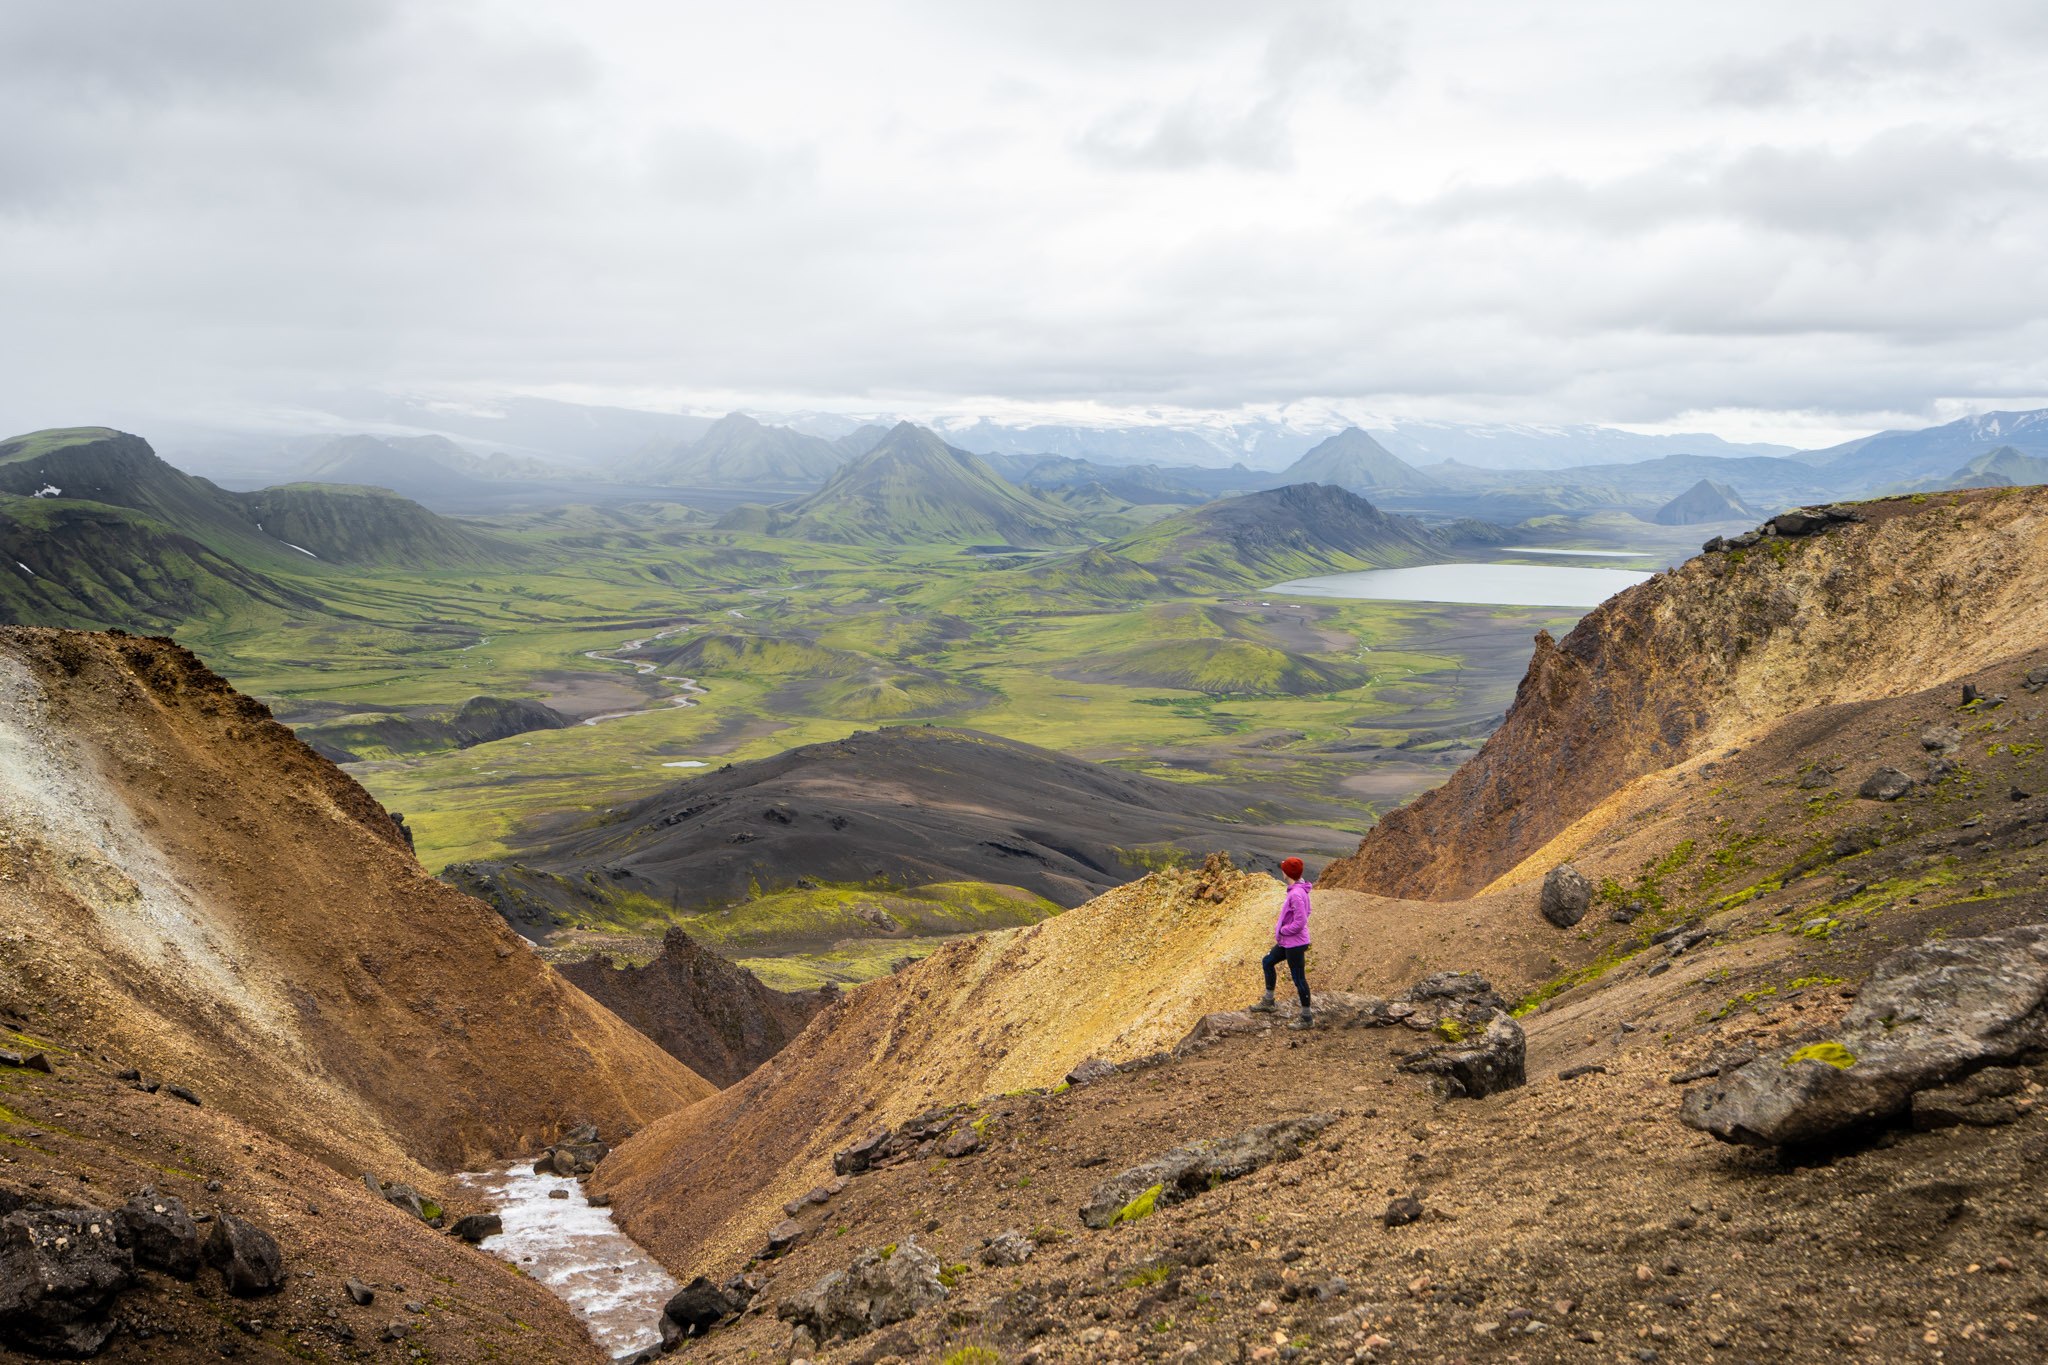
(905, 806)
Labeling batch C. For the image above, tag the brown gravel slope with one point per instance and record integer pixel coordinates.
(1713, 652)
(1571, 1220)
(80, 1137)
(185, 885)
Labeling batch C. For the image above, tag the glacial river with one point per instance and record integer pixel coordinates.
(1509, 585)
(578, 1252)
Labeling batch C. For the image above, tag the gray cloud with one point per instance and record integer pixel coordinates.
(1574, 212)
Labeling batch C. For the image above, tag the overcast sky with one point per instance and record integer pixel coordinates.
(1769, 220)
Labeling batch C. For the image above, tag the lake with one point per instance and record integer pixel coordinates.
(1508, 585)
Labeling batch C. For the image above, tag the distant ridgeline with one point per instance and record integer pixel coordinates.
(95, 530)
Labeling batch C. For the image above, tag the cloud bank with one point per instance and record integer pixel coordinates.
(1756, 216)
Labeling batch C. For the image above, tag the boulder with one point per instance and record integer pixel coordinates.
(474, 1227)
(817, 1194)
(163, 1236)
(694, 1310)
(1941, 739)
(884, 1285)
(60, 1270)
(783, 1236)
(1090, 1070)
(863, 1155)
(1471, 1067)
(1928, 1016)
(1006, 1248)
(1886, 784)
(246, 1256)
(406, 1197)
(962, 1141)
(1185, 1172)
(2037, 678)
(1403, 1211)
(1803, 522)
(1566, 895)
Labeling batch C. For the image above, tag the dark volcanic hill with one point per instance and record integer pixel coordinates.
(739, 452)
(709, 1014)
(1352, 459)
(1257, 540)
(905, 806)
(913, 488)
(1704, 501)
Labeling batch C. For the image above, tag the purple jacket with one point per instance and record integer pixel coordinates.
(1292, 930)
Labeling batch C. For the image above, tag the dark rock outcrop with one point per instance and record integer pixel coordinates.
(163, 1236)
(1928, 1016)
(884, 1285)
(60, 1270)
(474, 1227)
(709, 1014)
(247, 1257)
(694, 1310)
(1185, 1172)
(1886, 784)
(1467, 1067)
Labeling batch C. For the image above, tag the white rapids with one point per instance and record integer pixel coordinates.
(579, 1253)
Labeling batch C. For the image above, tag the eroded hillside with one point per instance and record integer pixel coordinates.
(1909, 593)
(196, 891)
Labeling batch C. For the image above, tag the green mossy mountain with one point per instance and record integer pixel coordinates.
(70, 562)
(913, 488)
(1254, 541)
(1354, 460)
(113, 468)
(352, 524)
(2005, 467)
(739, 452)
(97, 531)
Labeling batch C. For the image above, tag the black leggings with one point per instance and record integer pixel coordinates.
(1296, 959)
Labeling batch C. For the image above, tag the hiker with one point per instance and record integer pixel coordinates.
(1290, 944)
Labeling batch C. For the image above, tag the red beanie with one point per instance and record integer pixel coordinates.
(1291, 867)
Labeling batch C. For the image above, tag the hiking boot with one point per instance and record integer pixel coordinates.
(1305, 1020)
(1266, 1005)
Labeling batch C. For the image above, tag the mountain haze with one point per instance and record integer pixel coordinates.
(1353, 460)
(739, 452)
(914, 488)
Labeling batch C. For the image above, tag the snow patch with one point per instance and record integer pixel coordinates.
(48, 490)
(300, 548)
(687, 763)
(24, 568)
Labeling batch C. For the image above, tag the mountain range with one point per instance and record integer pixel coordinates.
(95, 528)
